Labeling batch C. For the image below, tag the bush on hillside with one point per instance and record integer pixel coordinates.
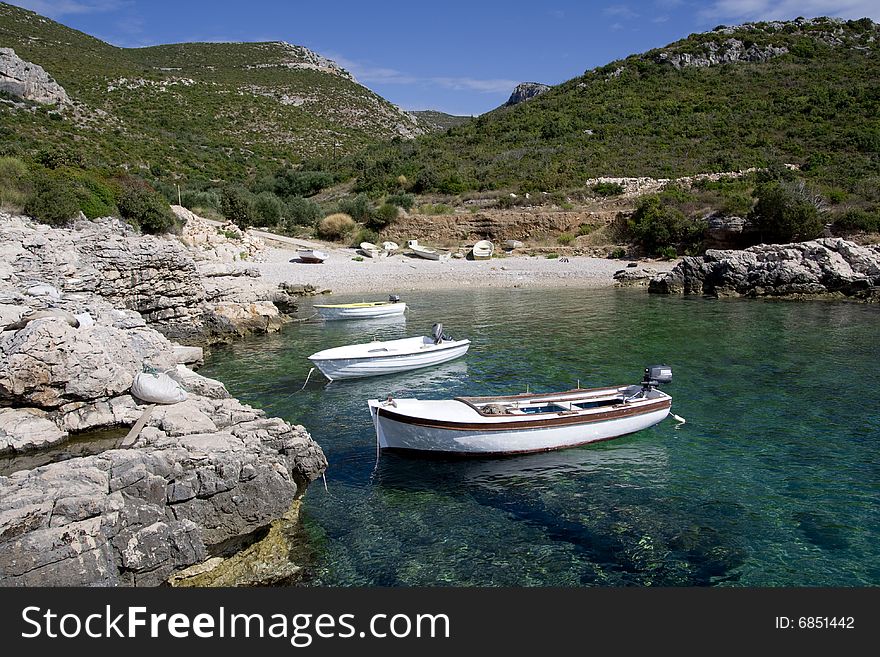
(301, 212)
(96, 198)
(290, 182)
(857, 219)
(365, 235)
(608, 189)
(238, 205)
(655, 225)
(384, 216)
(144, 207)
(359, 208)
(53, 198)
(268, 209)
(15, 183)
(335, 226)
(405, 201)
(192, 199)
(785, 213)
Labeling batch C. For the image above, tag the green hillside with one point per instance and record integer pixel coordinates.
(189, 112)
(434, 121)
(811, 97)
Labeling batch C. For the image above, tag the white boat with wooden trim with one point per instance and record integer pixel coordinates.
(390, 247)
(363, 310)
(519, 424)
(482, 250)
(313, 256)
(388, 357)
(425, 252)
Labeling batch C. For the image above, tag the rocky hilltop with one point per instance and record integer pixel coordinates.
(79, 312)
(526, 90)
(830, 267)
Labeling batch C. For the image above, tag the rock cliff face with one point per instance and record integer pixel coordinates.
(204, 473)
(830, 267)
(526, 90)
(731, 50)
(29, 81)
(156, 276)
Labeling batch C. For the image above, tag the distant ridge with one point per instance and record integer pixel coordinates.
(199, 110)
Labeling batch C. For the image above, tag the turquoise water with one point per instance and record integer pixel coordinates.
(774, 480)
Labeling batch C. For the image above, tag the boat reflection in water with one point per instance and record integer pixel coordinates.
(406, 471)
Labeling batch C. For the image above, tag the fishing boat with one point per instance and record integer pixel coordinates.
(363, 310)
(388, 357)
(510, 245)
(520, 424)
(372, 251)
(390, 247)
(425, 252)
(482, 250)
(311, 256)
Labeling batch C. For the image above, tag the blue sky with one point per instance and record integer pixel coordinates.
(455, 56)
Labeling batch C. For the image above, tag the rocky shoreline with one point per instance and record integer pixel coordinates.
(830, 268)
(83, 311)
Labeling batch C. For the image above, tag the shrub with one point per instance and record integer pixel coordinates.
(565, 239)
(359, 208)
(668, 253)
(95, 197)
(655, 225)
(552, 256)
(191, 199)
(785, 214)
(143, 206)
(405, 201)
(618, 253)
(301, 212)
(268, 209)
(335, 226)
(15, 183)
(290, 182)
(53, 199)
(585, 229)
(856, 219)
(238, 205)
(365, 235)
(608, 189)
(384, 216)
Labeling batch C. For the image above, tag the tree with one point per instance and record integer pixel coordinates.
(237, 205)
(786, 213)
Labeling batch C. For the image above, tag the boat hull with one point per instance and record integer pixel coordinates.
(359, 367)
(399, 432)
(372, 312)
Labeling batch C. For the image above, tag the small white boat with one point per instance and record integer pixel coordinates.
(425, 252)
(510, 245)
(372, 251)
(364, 310)
(520, 424)
(390, 247)
(482, 250)
(388, 357)
(311, 256)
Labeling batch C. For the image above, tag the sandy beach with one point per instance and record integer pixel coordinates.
(340, 274)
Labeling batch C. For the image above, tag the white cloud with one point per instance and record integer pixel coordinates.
(58, 8)
(660, 19)
(369, 73)
(768, 10)
(620, 11)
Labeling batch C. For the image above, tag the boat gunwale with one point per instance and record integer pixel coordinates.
(360, 304)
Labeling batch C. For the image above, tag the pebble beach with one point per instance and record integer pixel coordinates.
(341, 274)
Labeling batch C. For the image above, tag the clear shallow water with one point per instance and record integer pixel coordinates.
(773, 481)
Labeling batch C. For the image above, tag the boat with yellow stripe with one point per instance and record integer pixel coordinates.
(362, 310)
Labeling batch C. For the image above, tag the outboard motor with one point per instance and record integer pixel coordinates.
(394, 298)
(437, 332)
(660, 373)
(655, 375)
